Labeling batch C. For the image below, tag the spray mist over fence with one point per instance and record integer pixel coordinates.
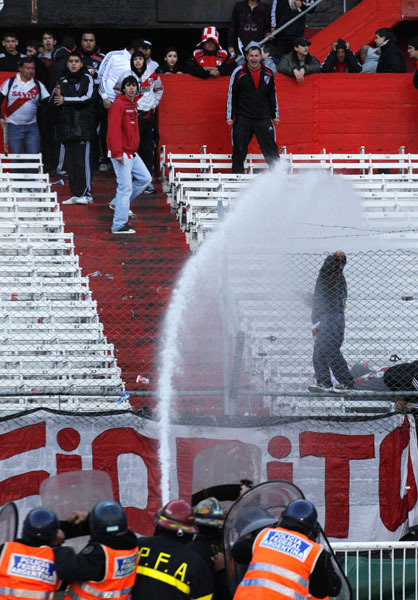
(262, 260)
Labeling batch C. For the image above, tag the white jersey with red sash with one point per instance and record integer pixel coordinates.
(118, 580)
(22, 100)
(27, 572)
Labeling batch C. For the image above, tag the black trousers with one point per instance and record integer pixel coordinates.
(78, 164)
(148, 138)
(242, 133)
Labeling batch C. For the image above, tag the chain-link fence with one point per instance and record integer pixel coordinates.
(83, 329)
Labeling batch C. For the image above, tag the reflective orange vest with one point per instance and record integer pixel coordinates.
(118, 580)
(27, 572)
(280, 567)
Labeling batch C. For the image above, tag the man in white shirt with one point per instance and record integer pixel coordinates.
(113, 65)
(24, 94)
(145, 47)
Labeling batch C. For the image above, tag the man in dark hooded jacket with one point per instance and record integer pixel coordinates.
(328, 324)
(391, 58)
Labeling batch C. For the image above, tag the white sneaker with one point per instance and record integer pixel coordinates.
(85, 200)
(104, 167)
(132, 215)
(72, 200)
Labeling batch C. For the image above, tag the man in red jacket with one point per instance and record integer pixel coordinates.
(123, 141)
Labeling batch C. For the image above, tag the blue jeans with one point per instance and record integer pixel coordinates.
(24, 139)
(327, 353)
(132, 178)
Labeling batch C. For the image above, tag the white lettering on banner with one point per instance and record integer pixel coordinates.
(286, 543)
(30, 567)
(124, 566)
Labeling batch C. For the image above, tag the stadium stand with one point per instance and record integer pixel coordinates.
(277, 342)
(198, 186)
(52, 343)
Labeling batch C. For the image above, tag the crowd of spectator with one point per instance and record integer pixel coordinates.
(60, 97)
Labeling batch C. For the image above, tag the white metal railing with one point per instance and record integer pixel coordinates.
(380, 570)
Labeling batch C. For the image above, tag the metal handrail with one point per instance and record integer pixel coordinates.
(285, 25)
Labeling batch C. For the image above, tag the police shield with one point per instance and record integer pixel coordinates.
(264, 504)
(75, 490)
(9, 521)
(270, 499)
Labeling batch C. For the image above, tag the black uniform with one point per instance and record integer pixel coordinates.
(90, 563)
(253, 110)
(76, 127)
(169, 569)
(207, 543)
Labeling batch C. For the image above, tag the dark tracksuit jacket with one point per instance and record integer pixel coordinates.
(253, 110)
(76, 127)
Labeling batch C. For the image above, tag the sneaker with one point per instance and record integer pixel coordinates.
(85, 200)
(62, 173)
(150, 190)
(342, 389)
(132, 215)
(318, 388)
(104, 167)
(124, 229)
(72, 200)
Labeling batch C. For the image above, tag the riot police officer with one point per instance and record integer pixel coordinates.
(106, 566)
(27, 565)
(168, 569)
(285, 561)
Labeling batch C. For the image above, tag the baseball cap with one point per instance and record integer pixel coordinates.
(144, 43)
(301, 41)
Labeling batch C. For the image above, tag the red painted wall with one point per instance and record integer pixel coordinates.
(339, 112)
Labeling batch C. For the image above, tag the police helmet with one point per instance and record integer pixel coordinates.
(40, 524)
(252, 519)
(107, 518)
(300, 515)
(209, 513)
